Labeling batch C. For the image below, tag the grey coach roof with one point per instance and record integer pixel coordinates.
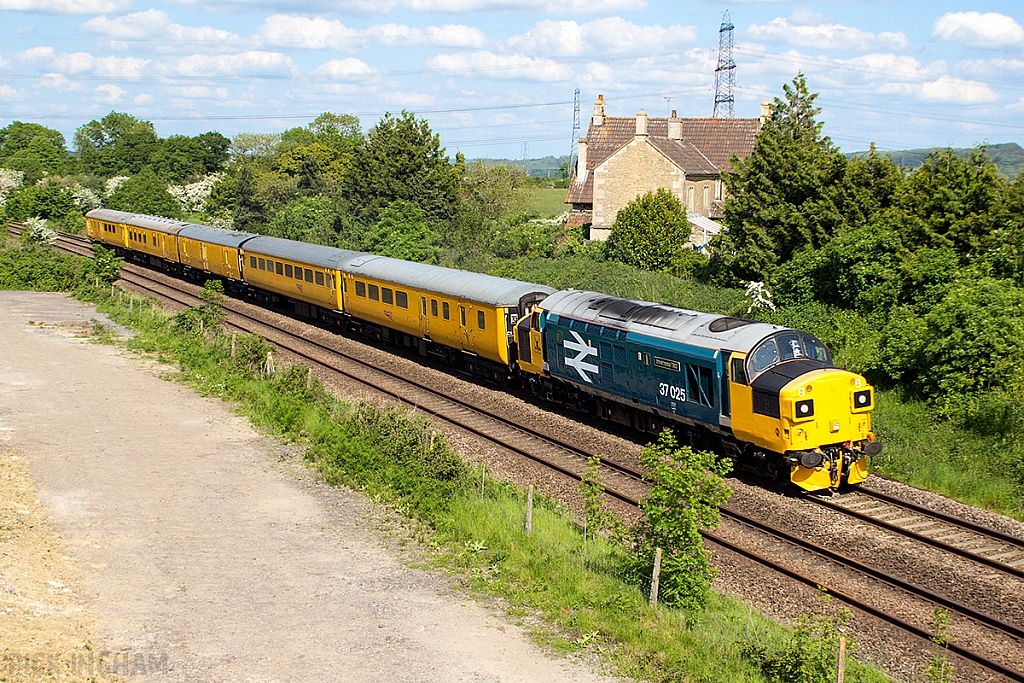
(208, 233)
(706, 330)
(168, 225)
(486, 289)
(312, 254)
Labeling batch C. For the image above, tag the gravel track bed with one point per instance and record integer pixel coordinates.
(901, 654)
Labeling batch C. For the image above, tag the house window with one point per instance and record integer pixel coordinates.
(480, 319)
(402, 299)
(361, 289)
(386, 295)
(444, 310)
(374, 293)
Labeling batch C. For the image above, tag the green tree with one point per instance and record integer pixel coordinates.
(116, 144)
(311, 181)
(790, 193)
(402, 159)
(649, 231)
(38, 159)
(250, 213)
(145, 193)
(405, 232)
(337, 131)
(49, 200)
(306, 219)
(494, 190)
(179, 158)
(687, 488)
(17, 136)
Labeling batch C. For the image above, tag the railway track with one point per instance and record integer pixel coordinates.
(799, 559)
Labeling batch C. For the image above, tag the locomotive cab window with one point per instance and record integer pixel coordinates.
(766, 355)
(739, 373)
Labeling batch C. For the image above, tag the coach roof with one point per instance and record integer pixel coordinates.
(212, 235)
(170, 226)
(460, 284)
(303, 252)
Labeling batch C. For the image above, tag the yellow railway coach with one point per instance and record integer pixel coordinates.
(305, 273)
(212, 250)
(136, 235)
(463, 312)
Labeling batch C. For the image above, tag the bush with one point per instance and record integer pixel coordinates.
(649, 231)
(523, 238)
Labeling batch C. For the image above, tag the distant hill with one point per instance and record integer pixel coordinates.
(544, 167)
(1008, 156)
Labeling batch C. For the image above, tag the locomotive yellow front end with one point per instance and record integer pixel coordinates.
(803, 420)
(826, 427)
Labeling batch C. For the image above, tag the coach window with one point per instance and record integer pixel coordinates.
(462, 315)
(270, 266)
(386, 295)
(445, 311)
(287, 270)
(263, 264)
(361, 289)
(433, 307)
(298, 273)
(374, 293)
(309, 275)
(319, 278)
(480, 319)
(279, 268)
(402, 299)
(252, 261)
(423, 303)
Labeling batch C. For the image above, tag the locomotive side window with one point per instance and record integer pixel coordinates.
(700, 385)
(480, 319)
(374, 293)
(765, 356)
(386, 295)
(739, 373)
(402, 299)
(361, 289)
(287, 270)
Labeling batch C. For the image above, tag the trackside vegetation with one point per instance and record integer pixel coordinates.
(594, 603)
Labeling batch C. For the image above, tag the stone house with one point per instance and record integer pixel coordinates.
(623, 158)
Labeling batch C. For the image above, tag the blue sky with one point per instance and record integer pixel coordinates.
(491, 75)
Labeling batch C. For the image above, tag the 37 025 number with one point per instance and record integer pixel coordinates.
(671, 391)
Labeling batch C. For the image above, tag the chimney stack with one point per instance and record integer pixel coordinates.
(641, 124)
(581, 161)
(766, 111)
(675, 127)
(598, 119)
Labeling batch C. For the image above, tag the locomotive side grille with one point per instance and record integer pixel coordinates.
(766, 404)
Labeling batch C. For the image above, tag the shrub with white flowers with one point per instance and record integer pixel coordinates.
(9, 180)
(84, 198)
(114, 183)
(192, 197)
(39, 232)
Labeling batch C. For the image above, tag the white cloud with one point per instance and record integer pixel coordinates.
(110, 93)
(991, 67)
(7, 93)
(156, 26)
(58, 82)
(65, 6)
(601, 37)
(825, 36)
(957, 91)
(345, 68)
(144, 98)
(76, 63)
(250, 63)
(449, 35)
(285, 30)
(318, 33)
(894, 67)
(200, 92)
(552, 6)
(488, 64)
(978, 30)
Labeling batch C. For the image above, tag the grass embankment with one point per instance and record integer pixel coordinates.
(548, 202)
(583, 605)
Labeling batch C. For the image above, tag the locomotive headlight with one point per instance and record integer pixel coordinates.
(862, 399)
(803, 409)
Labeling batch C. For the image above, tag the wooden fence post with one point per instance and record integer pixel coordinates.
(232, 344)
(309, 378)
(841, 662)
(529, 510)
(655, 576)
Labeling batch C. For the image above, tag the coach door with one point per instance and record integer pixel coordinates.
(424, 320)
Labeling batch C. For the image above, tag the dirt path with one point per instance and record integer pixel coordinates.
(203, 555)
